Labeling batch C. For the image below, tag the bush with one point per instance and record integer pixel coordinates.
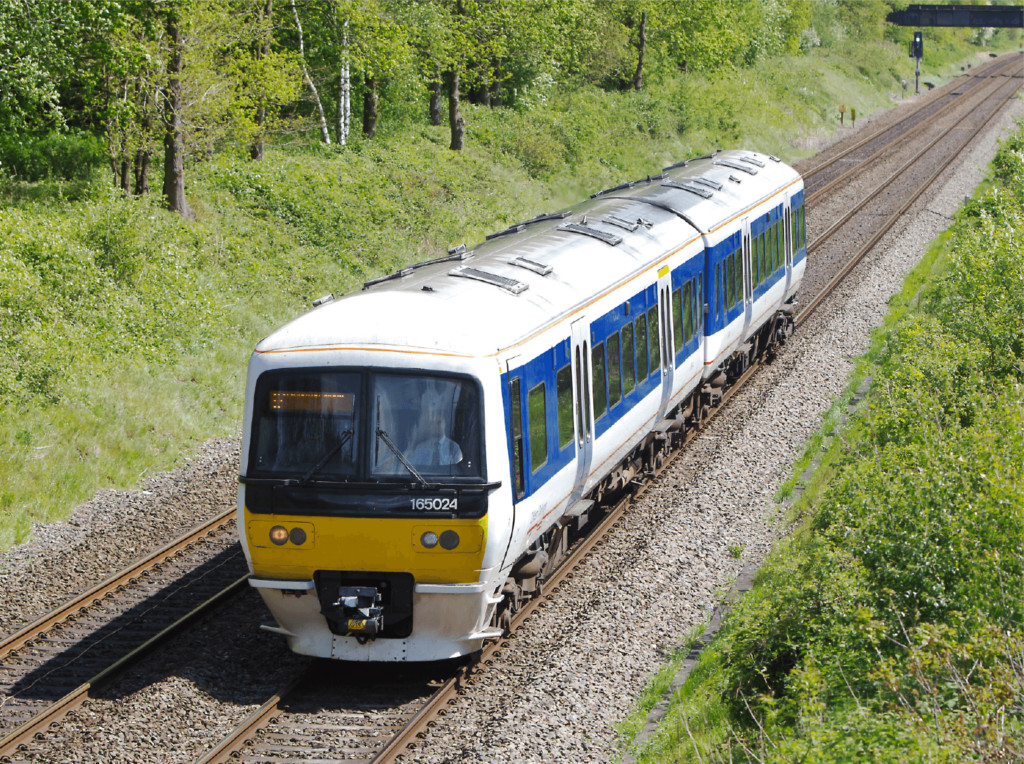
(66, 156)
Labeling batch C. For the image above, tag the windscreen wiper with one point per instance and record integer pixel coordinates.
(401, 457)
(345, 437)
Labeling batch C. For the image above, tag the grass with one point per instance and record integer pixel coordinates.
(128, 330)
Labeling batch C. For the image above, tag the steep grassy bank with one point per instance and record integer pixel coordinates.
(888, 627)
(126, 330)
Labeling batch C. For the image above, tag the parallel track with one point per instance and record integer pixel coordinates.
(61, 646)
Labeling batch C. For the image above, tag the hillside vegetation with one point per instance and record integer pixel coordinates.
(126, 326)
(889, 626)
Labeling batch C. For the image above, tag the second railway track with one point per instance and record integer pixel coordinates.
(306, 720)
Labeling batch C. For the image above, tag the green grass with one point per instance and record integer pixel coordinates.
(127, 330)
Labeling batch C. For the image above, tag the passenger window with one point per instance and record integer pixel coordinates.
(757, 263)
(628, 360)
(652, 320)
(677, 318)
(780, 247)
(563, 389)
(700, 304)
(614, 377)
(517, 438)
(536, 415)
(687, 312)
(718, 289)
(739, 277)
(642, 351)
(730, 281)
(600, 382)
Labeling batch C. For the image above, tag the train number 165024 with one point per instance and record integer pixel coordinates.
(440, 504)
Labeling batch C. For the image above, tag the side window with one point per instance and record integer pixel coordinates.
(614, 377)
(765, 266)
(780, 246)
(700, 304)
(739, 276)
(628, 360)
(730, 281)
(718, 289)
(677, 317)
(600, 381)
(536, 415)
(642, 350)
(687, 311)
(758, 259)
(563, 389)
(517, 438)
(652, 321)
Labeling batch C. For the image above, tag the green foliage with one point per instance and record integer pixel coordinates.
(74, 155)
(889, 626)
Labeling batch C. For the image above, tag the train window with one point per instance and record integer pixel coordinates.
(738, 289)
(718, 289)
(537, 417)
(652, 321)
(677, 317)
(614, 377)
(765, 243)
(517, 438)
(563, 390)
(628, 360)
(778, 246)
(730, 281)
(758, 258)
(642, 351)
(600, 382)
(687, 312)
(765, 267)
(700, 304)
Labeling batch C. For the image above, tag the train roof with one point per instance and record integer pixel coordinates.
(477, 302)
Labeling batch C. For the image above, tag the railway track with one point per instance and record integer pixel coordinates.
(381, 724)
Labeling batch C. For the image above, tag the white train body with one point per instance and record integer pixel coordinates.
(413, 453)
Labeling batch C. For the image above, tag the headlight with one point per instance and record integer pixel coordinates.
(449, 540)
(278, 535)
(429, 539)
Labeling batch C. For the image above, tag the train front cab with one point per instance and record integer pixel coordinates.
(357, 556)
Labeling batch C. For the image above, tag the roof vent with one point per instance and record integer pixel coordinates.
(607, 237)
(736, 166)
(532, 265)
(502, 282)
(323, 300)
(686, 185)
(751, 160)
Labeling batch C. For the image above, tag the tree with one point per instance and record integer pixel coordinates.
(174, 141)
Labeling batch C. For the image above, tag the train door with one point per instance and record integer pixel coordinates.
(582, 405)
(788, 227)
(665, 332)
(748, 290)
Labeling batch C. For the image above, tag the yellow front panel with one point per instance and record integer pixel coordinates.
(366, 543)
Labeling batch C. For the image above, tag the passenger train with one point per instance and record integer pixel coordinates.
(418, 455)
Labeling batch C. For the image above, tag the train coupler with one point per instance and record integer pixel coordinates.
(357, 611)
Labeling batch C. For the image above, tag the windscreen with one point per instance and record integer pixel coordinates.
(327, 425)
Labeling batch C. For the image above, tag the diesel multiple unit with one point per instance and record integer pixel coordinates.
(418, 455)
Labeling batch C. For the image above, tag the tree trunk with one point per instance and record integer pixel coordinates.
(344, 91)
(326, 136)
(266, 20)
(125, 174)
(174, 144)
(370, 107)
(141, 172)
(454, 115)
(435, 103)
(638, 79)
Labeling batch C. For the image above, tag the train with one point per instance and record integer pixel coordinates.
(418, 455)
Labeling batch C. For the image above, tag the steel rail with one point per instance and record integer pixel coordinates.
(954, 102)
(98, 592)
(984, 73)
(57, 710)
(814, 304)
